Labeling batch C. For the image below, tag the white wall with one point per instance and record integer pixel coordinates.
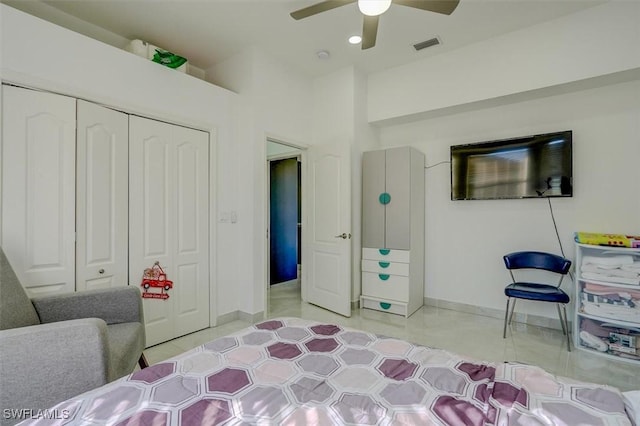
(279, 103)
(41, 54)
(274, 102)
(340, 100)
(63, 19)
(580, 72)
(365, 138)
(234, 194)
(465, 240)
(38, 54)
(595, 42)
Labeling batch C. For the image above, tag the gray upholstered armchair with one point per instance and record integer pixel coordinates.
(53, 348)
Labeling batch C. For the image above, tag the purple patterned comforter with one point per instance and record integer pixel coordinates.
(295, 372)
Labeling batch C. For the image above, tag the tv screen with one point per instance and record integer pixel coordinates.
(525, 167)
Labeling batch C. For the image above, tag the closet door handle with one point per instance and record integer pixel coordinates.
(344, 236)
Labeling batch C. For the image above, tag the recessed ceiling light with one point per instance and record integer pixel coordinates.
(355, 39)
(323, 54)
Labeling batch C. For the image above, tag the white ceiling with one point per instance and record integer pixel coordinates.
(209, 31)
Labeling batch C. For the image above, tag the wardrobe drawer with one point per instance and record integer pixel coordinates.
(390, 306)
(385, 286)
(386, 255)
(385, 267)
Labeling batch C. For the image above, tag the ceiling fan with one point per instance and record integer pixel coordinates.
(372, 9)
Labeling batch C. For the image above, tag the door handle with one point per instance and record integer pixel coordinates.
(344, 236)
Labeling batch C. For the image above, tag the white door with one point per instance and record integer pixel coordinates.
(191, 252)
(168, 222)
(38, 188)
(102, 197)
(328, 249)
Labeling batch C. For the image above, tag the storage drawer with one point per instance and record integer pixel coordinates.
(385, 286)
(385, 267)
(610, 338)
(391, 306)
(386, 255)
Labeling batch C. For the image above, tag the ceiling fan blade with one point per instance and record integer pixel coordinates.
(445, 7)
(314, 9)
(369, 31)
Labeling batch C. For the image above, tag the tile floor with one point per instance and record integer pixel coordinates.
(472, 335)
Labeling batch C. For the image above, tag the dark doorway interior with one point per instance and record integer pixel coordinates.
(285, 219)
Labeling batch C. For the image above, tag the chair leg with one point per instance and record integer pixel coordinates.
(564, 330)
(506, 315)
(142, 361)
(566, 326)
(513, 308)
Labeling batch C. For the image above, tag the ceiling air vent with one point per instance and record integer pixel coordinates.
(427, 43)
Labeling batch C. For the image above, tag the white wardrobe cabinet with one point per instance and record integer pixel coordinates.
(393, 230)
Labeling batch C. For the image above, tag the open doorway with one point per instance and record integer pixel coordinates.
(284, 212)
(284, 220)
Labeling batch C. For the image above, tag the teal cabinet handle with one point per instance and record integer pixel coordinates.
(384, 305)
(383, 277)
(384, 252)
(384, 264)
(384, 198)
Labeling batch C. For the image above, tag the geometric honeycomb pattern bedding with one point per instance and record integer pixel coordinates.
(291, 371)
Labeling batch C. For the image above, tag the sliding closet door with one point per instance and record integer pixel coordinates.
(168, 221)
(102, 197)
(38, 188)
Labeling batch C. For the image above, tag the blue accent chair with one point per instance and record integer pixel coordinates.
(537, 291)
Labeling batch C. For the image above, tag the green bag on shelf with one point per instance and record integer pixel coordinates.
(168, 59)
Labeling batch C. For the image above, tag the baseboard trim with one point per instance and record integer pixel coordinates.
(227, 318)
(530, 319)
(252, 318)
(240, 315)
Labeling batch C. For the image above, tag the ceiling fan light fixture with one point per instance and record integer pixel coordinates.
(373, 7)
(355, 39)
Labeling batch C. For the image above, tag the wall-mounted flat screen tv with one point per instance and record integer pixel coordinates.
(524, 167)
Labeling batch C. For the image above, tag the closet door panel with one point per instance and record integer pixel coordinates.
(102, 194)
(150, 210)
(156, 194)
(192, 229)
(38, 189)
(373, 212)
(398, 223)
(169, 223)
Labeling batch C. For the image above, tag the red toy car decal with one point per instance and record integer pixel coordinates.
(155, 277)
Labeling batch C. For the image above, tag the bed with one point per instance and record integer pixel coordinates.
(289, 371)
